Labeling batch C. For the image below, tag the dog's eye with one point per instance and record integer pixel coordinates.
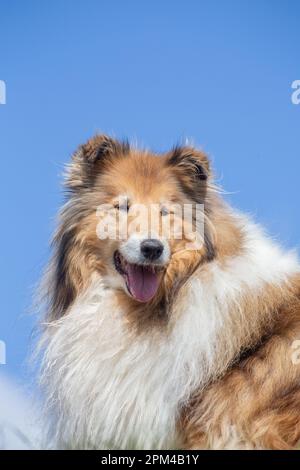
(124, 206)
(164, 211)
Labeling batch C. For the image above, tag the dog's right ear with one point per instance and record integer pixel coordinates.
(91, 158)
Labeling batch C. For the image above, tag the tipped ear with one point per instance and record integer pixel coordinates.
(192, 168)
(91, 158)
(100, 147)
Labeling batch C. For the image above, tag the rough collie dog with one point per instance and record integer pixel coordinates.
(150, 343)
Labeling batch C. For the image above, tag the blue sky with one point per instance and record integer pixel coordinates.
(219, 72)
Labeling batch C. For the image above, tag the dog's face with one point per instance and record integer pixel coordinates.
(139, 195)
(134, 216)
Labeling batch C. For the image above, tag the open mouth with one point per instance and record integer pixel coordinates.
(142, 280)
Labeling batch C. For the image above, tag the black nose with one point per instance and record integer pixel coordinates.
(152, 249)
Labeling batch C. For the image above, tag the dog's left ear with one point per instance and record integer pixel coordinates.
(92, 158)
(192, 168)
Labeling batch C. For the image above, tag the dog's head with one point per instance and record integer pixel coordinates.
(133, 216)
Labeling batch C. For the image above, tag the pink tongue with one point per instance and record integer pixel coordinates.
(142, 282)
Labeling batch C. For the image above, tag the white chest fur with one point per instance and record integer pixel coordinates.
(114, 389)
(117, 389)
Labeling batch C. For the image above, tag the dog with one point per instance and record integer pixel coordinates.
(155, 341)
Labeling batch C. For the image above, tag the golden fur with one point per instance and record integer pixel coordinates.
(253, 403)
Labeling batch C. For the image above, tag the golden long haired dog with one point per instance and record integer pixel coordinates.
(152, 344)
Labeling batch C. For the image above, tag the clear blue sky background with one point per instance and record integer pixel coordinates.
(219, 72)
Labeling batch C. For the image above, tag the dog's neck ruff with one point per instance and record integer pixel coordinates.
(114, 388)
